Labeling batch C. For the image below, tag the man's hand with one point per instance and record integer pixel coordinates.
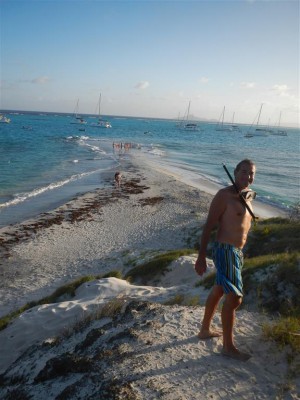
(200, 265)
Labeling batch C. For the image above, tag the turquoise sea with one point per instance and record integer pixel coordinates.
(46, 159)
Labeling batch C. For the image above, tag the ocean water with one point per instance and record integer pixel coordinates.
(46, 159)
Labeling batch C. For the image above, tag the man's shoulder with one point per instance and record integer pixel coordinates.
(221, 199)
(224, 191)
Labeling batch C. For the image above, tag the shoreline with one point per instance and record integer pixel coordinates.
(98, 232)
(51, 200)
(153, 210)
(262, 209)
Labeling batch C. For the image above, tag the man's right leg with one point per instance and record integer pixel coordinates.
(231, 303)
(211, 305)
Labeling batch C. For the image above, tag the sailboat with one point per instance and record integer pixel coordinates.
(259, 131)
(101, 123)
(234, 126)
(278, 131)
(185, 124)
(78, 119)
(221, 126)
(4, 119)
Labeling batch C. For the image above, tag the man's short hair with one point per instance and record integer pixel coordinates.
(245, 161)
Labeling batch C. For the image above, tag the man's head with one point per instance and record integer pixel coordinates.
(244, 173)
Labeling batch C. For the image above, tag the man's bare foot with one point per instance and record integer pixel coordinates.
(236, 354)
(203, 335)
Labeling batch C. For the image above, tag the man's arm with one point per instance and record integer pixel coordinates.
(217, 208)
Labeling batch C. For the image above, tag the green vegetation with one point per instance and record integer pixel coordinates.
(285, 331)
(156, 267)
(272, 265)
(278, 283)
(273, 236)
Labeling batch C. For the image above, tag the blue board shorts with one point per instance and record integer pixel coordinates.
(229, 262)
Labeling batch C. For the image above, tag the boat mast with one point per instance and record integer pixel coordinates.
(279, 120)
(259, 113)
(223, 116)
(221, 121)
(76, 109)
(99, 106)
(188, 112)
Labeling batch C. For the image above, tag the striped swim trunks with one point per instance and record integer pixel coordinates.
(228, 261)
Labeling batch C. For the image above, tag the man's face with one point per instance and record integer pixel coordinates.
(244, 177)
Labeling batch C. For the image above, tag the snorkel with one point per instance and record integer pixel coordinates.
(240, 194)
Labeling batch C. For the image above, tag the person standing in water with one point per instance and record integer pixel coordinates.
(233, 221)
(118, 177)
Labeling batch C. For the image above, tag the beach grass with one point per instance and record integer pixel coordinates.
(272, 265)
(285, 331)
(156, 267)
(273, 236)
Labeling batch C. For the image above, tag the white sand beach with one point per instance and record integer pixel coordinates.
(148, 349)
(111, 227)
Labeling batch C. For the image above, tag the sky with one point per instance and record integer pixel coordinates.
(151, 58)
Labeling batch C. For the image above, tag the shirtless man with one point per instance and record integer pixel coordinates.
(233, 222)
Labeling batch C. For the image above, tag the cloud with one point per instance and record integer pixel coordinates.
(142, 85)
(203, 79)
(41, 80)
(281, 90)
(247, 85)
